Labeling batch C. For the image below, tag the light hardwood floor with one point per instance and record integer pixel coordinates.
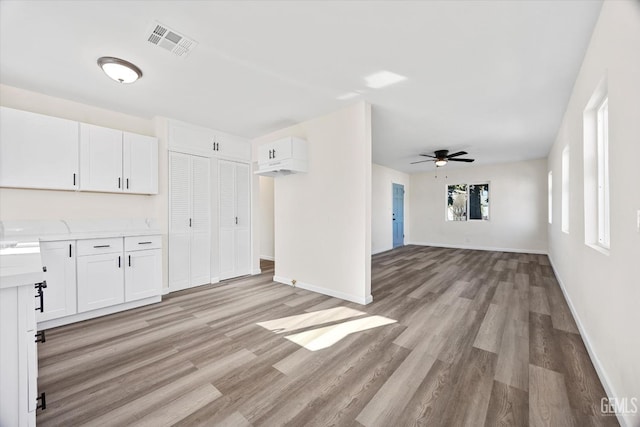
(453, 337)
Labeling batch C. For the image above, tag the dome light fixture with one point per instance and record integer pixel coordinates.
(119, 70)
(441, 162)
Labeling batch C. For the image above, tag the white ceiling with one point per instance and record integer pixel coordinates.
(489, 77)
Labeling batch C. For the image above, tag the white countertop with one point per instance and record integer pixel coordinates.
(20, 265)
(97, 235)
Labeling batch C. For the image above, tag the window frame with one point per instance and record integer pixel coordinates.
(602, 142)
(467, 185)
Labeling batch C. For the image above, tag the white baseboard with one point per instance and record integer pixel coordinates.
(267, 257)
(481, 248)
(330, 292)
(215, 279)
(165, 291)
(604, 378)
(379, 251)
(53, 323)
(256, 271)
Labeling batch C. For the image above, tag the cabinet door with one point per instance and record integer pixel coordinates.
(281, 149)
(243, 224)
(179, 220)
(60, 294)
(232, 147)
(38, 151)
(100, 281)
(201, 221)
(143, 274)
(140, 163)
(100, 158)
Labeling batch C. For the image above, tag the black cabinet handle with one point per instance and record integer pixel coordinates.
(43, 401)
(189, 222)
(144, 243)
(98, 246)
(236, 220)
(119, 261)
(69, 250)
(119, 179)
(127, 183)
(40, 295)
(269, 153)
(274, 153)
(40, 337)
(74, 179)
(129, 260)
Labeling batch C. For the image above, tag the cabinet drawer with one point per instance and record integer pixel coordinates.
(139, 243)
(99, 246)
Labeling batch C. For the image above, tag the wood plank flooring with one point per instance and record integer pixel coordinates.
(453, 338)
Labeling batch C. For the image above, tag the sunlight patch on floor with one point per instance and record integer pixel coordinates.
(315, 318)
(320, 338)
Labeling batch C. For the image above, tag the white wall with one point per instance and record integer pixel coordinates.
(31, 204)
(323, 217)
(382, 179)
(517, 208)
(266, 220)
(604, 290)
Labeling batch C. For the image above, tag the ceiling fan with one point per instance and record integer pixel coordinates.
(441, 157)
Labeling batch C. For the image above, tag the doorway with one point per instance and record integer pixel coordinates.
(398, 215)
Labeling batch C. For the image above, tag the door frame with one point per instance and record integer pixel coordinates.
(393, 213)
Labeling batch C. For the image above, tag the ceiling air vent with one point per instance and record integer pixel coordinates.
(168, 39)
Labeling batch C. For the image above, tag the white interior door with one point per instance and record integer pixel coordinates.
(179, 219)
(200, 221)
(243, 225)
(227, 218)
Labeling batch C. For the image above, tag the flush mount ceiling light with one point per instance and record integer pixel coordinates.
(441, 163)
(383, 79)
(119, 70)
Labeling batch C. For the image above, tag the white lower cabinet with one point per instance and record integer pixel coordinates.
(19, 397)
(143, 270)
(100, 281)
(59, 259)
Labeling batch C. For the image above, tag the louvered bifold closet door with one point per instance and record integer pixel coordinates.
(201, 221)
(243, 212)
(179, 216)
(227, 218)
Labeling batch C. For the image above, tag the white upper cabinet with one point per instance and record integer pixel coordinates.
(140, 163)
(38, 151)
(100, 158)
(197, 140)
(282, 157)
(231, 147)
(116, 161)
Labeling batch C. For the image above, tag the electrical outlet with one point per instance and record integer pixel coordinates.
(293, 282)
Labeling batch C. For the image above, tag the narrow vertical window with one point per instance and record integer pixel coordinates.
(603, 173)
(565, 190)
(550, 203)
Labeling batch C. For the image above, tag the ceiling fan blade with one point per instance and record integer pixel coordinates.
(421, 161)
(428, 155)
(459, 153)
(462, 160)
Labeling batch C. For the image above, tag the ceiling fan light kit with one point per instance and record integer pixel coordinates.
(442, 157)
